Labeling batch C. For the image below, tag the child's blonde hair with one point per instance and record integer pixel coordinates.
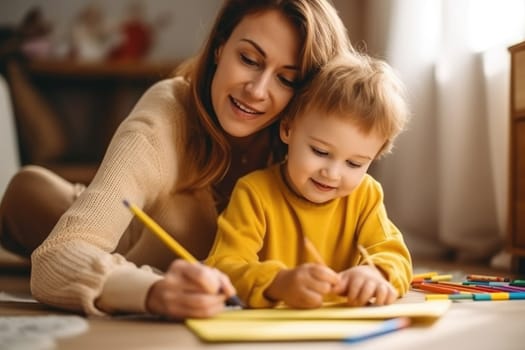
(364, 89)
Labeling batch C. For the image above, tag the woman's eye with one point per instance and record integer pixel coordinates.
(319, 152)
(247, 60)
(287, 82)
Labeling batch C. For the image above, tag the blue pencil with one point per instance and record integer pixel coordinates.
(388, 326)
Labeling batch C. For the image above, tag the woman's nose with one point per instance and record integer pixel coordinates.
(258, 86)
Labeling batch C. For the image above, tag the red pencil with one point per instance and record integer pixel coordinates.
(433, 287)
(465, 288)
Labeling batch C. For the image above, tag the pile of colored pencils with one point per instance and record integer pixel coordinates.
(475, 287)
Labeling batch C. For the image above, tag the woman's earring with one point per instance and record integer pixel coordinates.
(216, 54)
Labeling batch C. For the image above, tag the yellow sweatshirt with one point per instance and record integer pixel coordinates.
(90, 262)
(261, 232)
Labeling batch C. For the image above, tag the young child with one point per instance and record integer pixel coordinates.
(351, 114)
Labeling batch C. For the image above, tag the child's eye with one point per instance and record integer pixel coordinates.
(247, 60)
(318, 151)
(352, 164)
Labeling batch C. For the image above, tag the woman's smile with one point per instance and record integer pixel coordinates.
(246, 111)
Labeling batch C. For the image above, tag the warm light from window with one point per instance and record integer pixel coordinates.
(495, 23)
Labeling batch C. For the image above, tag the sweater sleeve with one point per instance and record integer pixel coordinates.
(239, 239)
(74, 268)
(382, 239)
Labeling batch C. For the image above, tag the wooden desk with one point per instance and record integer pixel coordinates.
(467, 325)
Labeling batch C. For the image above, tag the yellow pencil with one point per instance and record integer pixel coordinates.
(310, 248)
(170, 242)
(366, 256)
(424, 275)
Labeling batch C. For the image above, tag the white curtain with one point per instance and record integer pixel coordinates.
(446, 181)
(9, 157)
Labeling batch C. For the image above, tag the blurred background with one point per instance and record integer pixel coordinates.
(73, 69)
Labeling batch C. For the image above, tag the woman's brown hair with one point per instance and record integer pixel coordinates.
(206, 152)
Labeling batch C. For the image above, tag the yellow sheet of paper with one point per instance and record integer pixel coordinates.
(326, 323)
(337, 312)
(282, 330)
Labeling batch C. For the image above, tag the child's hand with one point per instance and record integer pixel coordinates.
(304, 286)
(189, 290)
(362, 283)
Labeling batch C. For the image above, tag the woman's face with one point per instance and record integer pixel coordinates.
(257, 68)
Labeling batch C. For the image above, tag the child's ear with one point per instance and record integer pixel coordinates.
(284, 131)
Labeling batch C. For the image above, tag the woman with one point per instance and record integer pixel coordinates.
(176, 156)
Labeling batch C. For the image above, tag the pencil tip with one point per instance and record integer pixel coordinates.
(126, 203)
(235, 301)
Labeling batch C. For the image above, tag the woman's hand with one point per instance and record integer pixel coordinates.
(304, 286)
(364, 284)
(189, 290)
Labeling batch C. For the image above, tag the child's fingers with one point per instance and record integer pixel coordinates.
(382, 294)
(325, 274)
(385, 294)
(364, 293)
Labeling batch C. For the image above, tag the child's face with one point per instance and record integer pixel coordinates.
(327, 156)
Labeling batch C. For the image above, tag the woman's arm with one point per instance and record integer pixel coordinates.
(75, 268)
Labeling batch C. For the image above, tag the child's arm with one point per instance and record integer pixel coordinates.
(303, 286)
(238, 244)
(385, 245)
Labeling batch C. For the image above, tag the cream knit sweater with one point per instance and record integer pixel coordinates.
(98, 259)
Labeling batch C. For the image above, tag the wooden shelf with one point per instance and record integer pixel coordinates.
(135, 70)
(80, 103)
(516, 223)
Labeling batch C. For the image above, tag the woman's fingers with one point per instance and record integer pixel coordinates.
(189, 290)
(196, 305)
(196, 277)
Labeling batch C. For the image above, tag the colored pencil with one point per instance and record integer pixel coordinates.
(472, 289)
(499, 296)
(388, 326)
(437, 278)
(518, 283)
(432, 278)
(433, 287)
(477, 296)
(170, 242)
(423, 275)
(366, 256)
(458, 296)
(508, 289)
(484, 283)
(310, 248)
(487, 278)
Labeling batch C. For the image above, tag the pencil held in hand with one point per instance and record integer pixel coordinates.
(310, 248)
(366, 256)
(171, 242)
